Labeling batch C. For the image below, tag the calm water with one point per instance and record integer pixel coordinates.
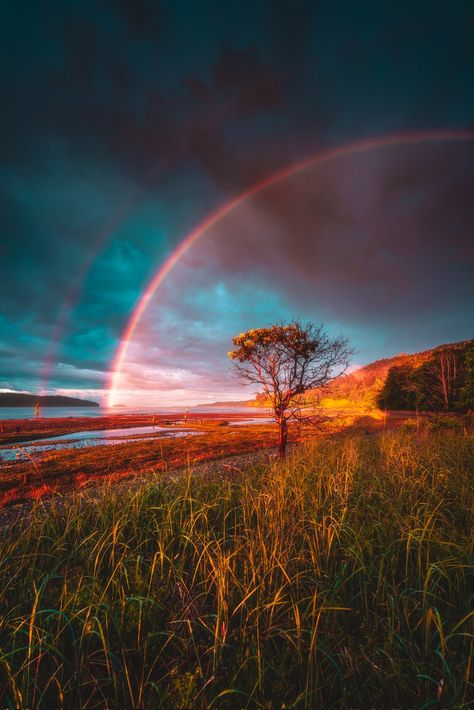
(106, 437)
(82, 439)
(51, 412)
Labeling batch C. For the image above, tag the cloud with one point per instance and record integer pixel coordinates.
(125, 123)
(345, 236)
(144, 19)
(378, 245)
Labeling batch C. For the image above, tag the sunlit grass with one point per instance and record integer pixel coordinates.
(64, 470)
(341, 578)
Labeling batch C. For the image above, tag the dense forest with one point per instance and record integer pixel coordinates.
(440, 379)
(443, 381)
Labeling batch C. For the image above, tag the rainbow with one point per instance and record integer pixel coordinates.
(210, 221)
(77, 285)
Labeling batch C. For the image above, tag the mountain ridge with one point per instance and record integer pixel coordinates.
(23, 399)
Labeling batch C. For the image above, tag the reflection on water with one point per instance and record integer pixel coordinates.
(108, 433)
(83, 439)
(74, 412)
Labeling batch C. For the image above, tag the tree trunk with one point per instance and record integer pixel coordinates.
(282, 437)
(444, 382)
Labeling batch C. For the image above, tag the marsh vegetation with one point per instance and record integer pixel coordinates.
(340, 577)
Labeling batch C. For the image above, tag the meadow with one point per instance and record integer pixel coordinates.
(58, 472)
(340, 578)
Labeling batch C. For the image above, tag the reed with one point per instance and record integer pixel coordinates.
(340, 578)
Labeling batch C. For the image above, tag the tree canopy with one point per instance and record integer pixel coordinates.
(287, 360)
(444, 381)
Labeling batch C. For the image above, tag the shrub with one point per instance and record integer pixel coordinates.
(445, 423)
(409, 426)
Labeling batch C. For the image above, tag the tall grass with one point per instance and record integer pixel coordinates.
(341, 578)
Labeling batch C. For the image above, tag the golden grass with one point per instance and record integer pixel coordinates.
(62, 471)
(340, 578)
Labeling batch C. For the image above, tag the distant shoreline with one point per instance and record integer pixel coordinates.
(23, 399)
(28, 406)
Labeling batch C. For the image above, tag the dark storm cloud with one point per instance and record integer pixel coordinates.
(373, 235)
(102, 93)
(145, 19)
(376, 244)
(188, 104)
(115, 77)
(380, 241)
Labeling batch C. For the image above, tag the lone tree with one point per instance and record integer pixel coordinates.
(287, 361)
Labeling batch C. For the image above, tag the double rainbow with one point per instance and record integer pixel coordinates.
(213, 219)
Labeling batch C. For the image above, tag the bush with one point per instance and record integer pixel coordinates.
(445, 423)
(409, 426)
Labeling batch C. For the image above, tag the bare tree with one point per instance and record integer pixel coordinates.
(287, 361)
(442, 375)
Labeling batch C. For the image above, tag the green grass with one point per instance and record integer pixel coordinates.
(342, 578)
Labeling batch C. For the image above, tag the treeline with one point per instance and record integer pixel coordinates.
(23, 399)
(443, 382)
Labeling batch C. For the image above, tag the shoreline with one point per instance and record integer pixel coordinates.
(62, 470)
(37, 428)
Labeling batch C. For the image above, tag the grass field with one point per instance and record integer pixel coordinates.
(62, 471)
(42, 475)
(340, 578)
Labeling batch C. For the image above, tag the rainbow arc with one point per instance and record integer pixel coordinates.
(210, 221)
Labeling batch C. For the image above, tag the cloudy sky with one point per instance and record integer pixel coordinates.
(128, 123)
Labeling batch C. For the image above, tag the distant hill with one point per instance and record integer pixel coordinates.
(20, 399)
(235, 403)
(363, 387)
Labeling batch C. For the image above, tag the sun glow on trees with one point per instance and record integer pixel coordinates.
(287, 361)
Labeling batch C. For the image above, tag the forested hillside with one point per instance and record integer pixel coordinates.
(441, 379)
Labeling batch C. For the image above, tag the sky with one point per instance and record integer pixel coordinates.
(125, 125)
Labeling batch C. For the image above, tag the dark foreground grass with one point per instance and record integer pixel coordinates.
(341, 579)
